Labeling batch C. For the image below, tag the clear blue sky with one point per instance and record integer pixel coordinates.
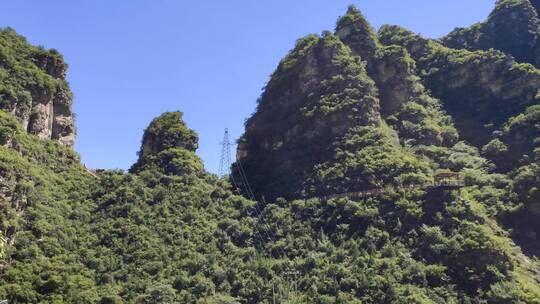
(130, 60)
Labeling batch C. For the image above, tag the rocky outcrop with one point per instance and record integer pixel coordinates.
(356, 32)
(165, 132)
(169, 145)
(318, 93)
(522, 133)
(494, 102)
(481, 90)
(513, 27)
(33, 88)
(318, 127)
(334, 105)
(405, 103)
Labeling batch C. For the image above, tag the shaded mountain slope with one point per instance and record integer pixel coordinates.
(481, 90)
(318, 112)
(493, 101)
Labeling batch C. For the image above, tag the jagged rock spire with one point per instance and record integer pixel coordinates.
(169, 145)
(355, 31)
(168, 131)
(319, 109)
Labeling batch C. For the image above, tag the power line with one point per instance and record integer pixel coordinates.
(291, 276)
(261, 226)
(260, 215)
(224, 169)
(225, 159)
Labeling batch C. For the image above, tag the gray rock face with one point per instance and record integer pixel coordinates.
(405, 104)
(49, 118)
(34, 89)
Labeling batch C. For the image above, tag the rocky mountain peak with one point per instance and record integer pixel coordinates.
(512, 27)
(34, 89)
(355, 31)
(169, 145)
(168, 131)
(318, 93)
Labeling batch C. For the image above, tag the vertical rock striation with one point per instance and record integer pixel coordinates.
(33, 87)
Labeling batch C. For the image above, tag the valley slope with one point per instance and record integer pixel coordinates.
(350, 110)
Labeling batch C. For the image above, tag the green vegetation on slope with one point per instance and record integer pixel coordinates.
(493, 101)
(405, 103)
(162, 237)
(343, 112)
(319, 92)
(34, 89)
(45, 199)
(513, 27)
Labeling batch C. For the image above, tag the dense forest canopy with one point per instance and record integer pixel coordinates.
(338, 194)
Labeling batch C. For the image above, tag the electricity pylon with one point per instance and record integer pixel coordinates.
(225, 162)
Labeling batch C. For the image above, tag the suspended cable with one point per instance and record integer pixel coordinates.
(260, 215)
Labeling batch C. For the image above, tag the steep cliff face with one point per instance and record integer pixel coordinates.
(405, 103)
(401, 108)
(334, 105)
(493, 100)
(513, 27)
(34, 89)
(319, 111)
(356, 32)
(504, 96)
(481, 90)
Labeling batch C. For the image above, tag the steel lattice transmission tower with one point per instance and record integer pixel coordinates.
(225, 162)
